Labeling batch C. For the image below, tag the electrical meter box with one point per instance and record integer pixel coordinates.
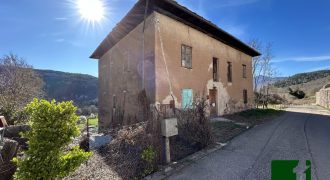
(169, 127)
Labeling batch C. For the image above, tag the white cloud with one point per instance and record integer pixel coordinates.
(59, 40)
(225, 3)
(299, 59)
(319, 68)
(60, 18)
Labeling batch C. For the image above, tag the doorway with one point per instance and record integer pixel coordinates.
(213, 102)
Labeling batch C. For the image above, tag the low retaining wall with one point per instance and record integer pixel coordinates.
(323, 98)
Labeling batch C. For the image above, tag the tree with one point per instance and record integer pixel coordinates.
(78, 111)
(263, 71)
(18, 86)
(93, 109)
(52, 127)
(297, 93)
(86, 111)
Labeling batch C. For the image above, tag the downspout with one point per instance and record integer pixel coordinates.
(144, 23)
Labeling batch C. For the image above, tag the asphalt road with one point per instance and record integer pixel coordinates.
(303, 133)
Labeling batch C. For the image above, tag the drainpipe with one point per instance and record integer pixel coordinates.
(144, 23)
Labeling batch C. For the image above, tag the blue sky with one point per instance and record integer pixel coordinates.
(53, 34)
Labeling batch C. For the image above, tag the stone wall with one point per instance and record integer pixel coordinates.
(9, 151)
(12, 132)
(323, 97)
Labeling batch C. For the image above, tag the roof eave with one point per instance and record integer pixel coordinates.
(239, 45)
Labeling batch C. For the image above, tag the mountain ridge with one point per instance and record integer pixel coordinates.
(64, 86)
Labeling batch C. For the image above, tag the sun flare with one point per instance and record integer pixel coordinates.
(91, 9)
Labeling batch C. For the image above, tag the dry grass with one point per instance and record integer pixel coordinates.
(122, 157)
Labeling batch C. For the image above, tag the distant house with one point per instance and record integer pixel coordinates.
(183, 54)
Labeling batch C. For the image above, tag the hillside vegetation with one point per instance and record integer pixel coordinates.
(310, 87)
(63, 86)
(302, 78)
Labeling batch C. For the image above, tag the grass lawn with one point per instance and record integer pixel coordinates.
(91, 122)
(223, 131)
(254, 117)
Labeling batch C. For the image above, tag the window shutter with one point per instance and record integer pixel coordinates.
(183, 56)
(184, 98)
(190, 98)
(188, 56)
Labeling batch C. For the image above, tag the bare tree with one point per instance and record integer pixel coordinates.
(264, 73)
(256, 61)
(18, 85)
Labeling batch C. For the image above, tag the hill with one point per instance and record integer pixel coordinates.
(63, 86)
(267, 79)
(302, 78)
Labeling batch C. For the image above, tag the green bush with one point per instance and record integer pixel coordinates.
(148, 155)
(52, 127)
(297, 93)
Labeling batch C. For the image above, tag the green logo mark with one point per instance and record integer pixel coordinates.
(283, 169)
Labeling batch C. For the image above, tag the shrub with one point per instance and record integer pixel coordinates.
(92, 116)
(82, 119)
(52, 127)
(297, 93)
(148, 155)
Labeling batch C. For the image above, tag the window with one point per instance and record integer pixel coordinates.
(245, 96)
(244, 71)
(186, 56)
(229, 71)
(215, 69)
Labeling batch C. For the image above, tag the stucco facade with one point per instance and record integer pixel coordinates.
(173, 76)
(120, 76)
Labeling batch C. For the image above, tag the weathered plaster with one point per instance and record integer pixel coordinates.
(164, 74)
(222, 95)
(210, 67)
(200, 77)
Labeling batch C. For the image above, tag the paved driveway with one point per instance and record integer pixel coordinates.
(303, 133)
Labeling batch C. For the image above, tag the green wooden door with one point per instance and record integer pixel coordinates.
(187, 99)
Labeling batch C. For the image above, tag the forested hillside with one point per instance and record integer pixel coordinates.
(302, 78)
(63, 86)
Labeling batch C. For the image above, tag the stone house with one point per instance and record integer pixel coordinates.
(168, 50)
(323, 96)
